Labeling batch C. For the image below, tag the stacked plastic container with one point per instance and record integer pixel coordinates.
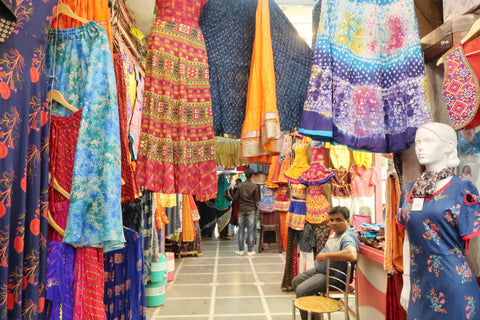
(155, 290)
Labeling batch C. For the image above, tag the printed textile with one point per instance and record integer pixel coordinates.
(94, 214)
(300, 162)
(24, 130)
(297, 211)
(177, 149)
(267, 201)
(442, 283)
(460, 84)
(367, 88)
(317, 173)
(124, 280)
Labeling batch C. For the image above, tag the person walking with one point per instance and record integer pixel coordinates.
(247, 194)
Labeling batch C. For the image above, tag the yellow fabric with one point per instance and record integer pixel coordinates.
(260, 138)
(167, 200)
(339, 155)
(188, 228)
(363, 158)
(300, 163)
(132, 89)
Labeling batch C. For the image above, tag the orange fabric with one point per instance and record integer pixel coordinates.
(188, 228)
(161, 218)
(193, 208)
(273, 171)
(394, 234)
(261, 127)
(89, 9)
(283, 228)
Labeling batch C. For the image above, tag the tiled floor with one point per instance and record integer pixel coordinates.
(220, 285)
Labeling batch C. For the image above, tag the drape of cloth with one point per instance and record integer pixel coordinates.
(273, 172)
(188, 230)
(88, 285)
(394, 290)
(289, 271)
(60, 276)
(260, 138)
(130, 189)
(161, 218)
(394, 235)
(146, 231)
(124, 280)
(74, 55)
(24, 131)
(96, 10)
(177, 147)
(208, 217)
(135, 119)
(195, 247)
(322, 232)
(227, 152)
(283, 228)
(221, 202)
(223, 219)
(174, 215)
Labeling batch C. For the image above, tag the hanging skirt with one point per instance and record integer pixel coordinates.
(367, 88)
(94, 215)
(177, 149)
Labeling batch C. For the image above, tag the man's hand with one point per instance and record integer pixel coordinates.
(321, 257)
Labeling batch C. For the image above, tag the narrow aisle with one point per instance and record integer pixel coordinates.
(220, 285)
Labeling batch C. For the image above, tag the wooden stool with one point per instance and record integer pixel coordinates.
(270, 245)
(316, 304)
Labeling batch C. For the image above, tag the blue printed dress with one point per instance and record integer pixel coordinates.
(367, 84)
(442, 283)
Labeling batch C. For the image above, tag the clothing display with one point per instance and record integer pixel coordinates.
(298, 210)
(282, 201)
(229, 28)
(438, 234)
(267, 201)
(317, 173)
(176, 141)
(317, 205)
(300, 162)
(94, 214)
(362, 93)
(260, 137)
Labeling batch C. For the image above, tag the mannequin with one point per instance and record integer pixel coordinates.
(440, 213)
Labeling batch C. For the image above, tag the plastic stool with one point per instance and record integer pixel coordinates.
(277, 244)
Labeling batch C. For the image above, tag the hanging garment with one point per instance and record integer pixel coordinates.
(188, 228)
(227, 152)
(24, 129)
(297, 211)
(124, 280)
(363, 188)
(61, 258)
(394, 235)
(317, 205)
(94, 215)
(177, 149)
(317, 173)
(339, 155)
(260, 138)
(442, 283)
(300, 162)
(267, 201)
(282, 202)
(229, 28)
(460, 84)
(367, 88)
(221, 202)
(361, 158)
(341, 193)
(208, 217)
(130, 190)
(135, 119)
(273, 172)
(96, 10)
(88, 285)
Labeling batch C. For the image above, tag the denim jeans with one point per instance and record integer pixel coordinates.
(309, 283)
(246, 219)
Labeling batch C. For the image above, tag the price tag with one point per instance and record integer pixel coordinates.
(417, 204)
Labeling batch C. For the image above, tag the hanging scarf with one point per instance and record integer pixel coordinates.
(424, 187)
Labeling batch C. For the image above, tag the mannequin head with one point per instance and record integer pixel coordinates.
(436, 146)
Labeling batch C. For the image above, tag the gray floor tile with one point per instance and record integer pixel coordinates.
(238, 306)
(233, 260)
(264, 258)
(242, 317)
(272, 267)
(270, 277)
(193, 278)
(234, 268)
(195, 269)
(188, 291)
(197, 261)
(273, 289)
(235, 290)
(280, 304)
(236, 278)
(185, 307)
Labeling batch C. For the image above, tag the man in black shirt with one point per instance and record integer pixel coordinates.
(248, 194)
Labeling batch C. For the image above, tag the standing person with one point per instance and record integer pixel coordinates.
(440, 214)
(340, 247)
(248, 195)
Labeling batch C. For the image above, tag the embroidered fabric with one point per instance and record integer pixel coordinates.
(424, 187)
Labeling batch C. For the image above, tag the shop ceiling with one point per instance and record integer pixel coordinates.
(429, 12)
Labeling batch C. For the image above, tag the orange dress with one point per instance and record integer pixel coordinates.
(260, 138)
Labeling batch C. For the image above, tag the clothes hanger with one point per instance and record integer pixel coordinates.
(64, 9)
(58, 96)
(54, 225)
(472, 33)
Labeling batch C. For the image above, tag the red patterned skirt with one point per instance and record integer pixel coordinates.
(177, 147)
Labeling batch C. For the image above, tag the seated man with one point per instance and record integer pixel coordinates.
(341, 246)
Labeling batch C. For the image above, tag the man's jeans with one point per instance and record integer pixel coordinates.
(309, 283)
(246, 219)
